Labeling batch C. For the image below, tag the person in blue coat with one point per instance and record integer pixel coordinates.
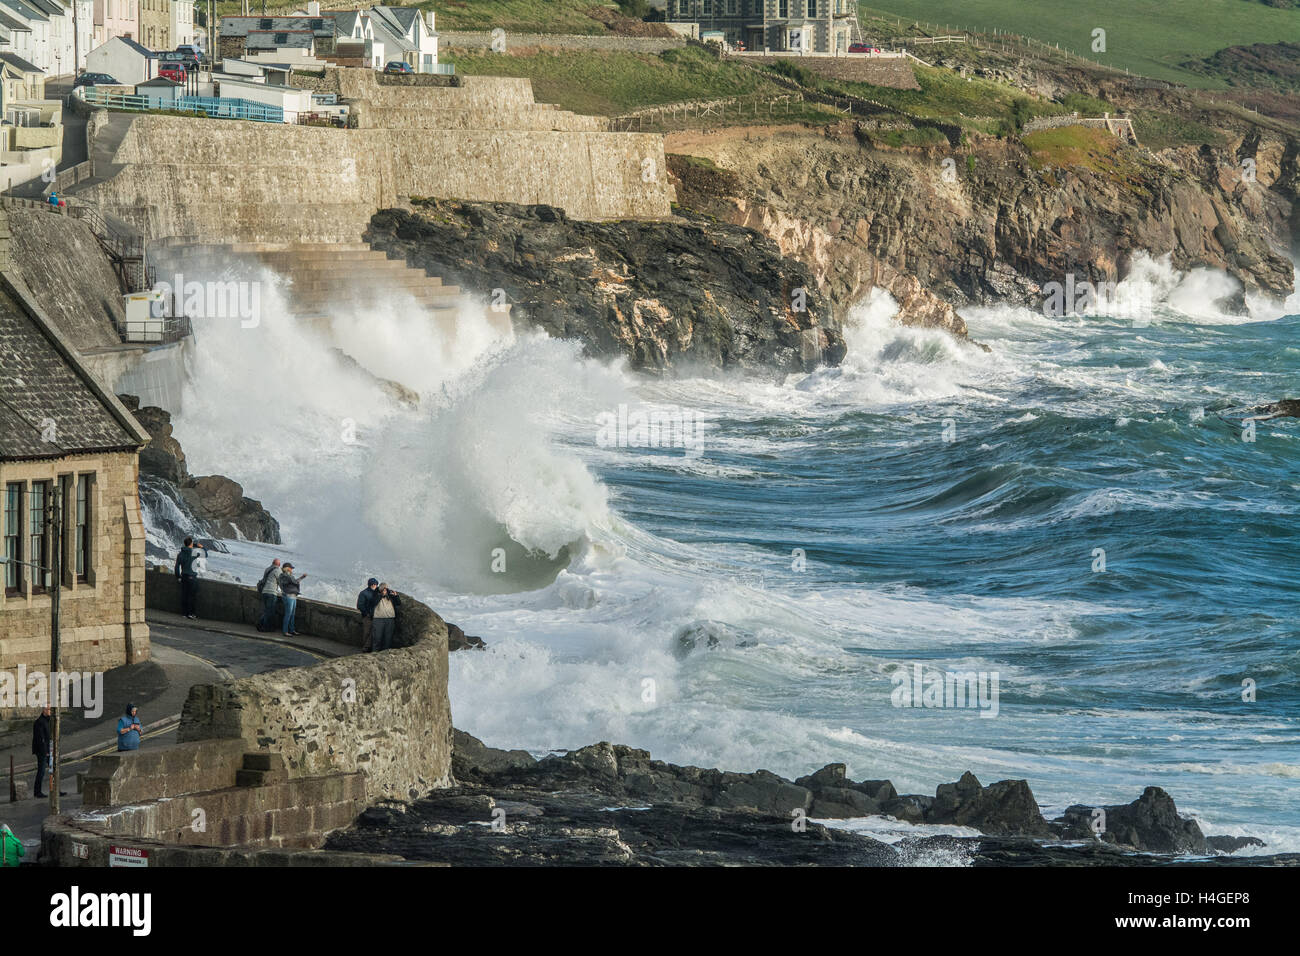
(128, 729)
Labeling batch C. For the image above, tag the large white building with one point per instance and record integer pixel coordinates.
(48, 33)
(392, 33)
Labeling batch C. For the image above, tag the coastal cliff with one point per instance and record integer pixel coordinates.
(996, 219)
(669, 294)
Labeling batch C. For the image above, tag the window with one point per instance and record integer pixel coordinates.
(707, 8)
(812, 9)
(264, 23)
(13, 528)
(81, 538)
(783, 9)
(318, 25)
(39, 546)
(282, 38)
(731, 8)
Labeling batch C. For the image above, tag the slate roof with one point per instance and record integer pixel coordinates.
(266, 40)
(243, 26)
(42, 379)
(50, 7)
(8, 19)
(26, 10)
(19, 64)
(139, 48)
(403, 17)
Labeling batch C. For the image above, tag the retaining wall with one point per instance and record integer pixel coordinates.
(470, 40)
(385, 714)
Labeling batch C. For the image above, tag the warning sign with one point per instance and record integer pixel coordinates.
(127, 856)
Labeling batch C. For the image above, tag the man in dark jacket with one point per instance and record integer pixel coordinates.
(366, 602)
(41, 749)
(188, 574)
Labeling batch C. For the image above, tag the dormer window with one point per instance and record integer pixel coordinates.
(264, 23)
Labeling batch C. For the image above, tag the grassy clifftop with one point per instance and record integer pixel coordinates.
(1152, 37)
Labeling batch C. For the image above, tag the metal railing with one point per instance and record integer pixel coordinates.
(210, 106)
(156, 330)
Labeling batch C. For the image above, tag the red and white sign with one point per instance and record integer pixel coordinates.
(127, 856)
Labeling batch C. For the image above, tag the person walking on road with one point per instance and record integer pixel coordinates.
(366, 601)
(11, 848)
(385, 614)
(41, 749)
(187, 573)
(128, 729)
(269, 589)
(289, 590)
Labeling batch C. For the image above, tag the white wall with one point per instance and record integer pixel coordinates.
(120, 62)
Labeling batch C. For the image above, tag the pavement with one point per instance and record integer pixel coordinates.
(184, 653)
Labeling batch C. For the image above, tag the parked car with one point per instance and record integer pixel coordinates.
(398, 66)
(193, 49)
(184, 57)
(95, 79)
(863, 48)
(173, 71)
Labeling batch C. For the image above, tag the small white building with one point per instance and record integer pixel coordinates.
(290, 99)
(165, 90)
(392, 33)
(124, 60)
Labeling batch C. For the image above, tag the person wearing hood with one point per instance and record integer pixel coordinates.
(41, 749)
(366, 602)
(128, 729)
(11, 848)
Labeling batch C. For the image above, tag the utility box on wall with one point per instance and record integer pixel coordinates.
(144, 321)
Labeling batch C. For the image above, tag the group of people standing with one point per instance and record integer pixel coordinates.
(378, 604)
(279, 583)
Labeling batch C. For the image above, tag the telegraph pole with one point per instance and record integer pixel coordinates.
(56, 666)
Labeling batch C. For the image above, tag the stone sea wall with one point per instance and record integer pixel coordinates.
(486, 140)
(387, 715)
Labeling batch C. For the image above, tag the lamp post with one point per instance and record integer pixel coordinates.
(54, 518)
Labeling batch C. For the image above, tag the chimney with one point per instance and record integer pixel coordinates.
(432, 28)
(313, 8)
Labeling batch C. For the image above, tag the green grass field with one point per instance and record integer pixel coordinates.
(612, 83)
(1152, 37)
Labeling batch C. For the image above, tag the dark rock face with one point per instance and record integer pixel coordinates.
(1149, 823)
(608, 804)
(215, 502)
(665, 294)
(458, 640)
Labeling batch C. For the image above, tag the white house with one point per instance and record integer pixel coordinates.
(124, 60)
(392, 33)
(48, 33)
(182, 13)
(32, 43)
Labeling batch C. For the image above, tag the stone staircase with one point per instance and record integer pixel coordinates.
(324, 279)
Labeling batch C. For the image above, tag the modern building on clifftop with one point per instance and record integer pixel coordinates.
(795, 26)
(62, 432)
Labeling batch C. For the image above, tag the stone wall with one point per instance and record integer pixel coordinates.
(69, 273)
(485, 140)
(469, 40)
(386, 714)
(893, 72)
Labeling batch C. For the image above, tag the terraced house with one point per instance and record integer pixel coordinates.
(797, 26)
(156, 24)
(64, 438)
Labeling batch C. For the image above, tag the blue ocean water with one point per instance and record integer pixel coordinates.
(926, 503)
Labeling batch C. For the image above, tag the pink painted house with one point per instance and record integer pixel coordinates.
(116, 18)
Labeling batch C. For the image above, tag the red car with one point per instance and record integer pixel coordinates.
(863, 48)
(172, 71)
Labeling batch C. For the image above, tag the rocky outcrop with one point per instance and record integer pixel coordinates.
(216, 503)
(611, 804)
(665, 294)
(1150, 823)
